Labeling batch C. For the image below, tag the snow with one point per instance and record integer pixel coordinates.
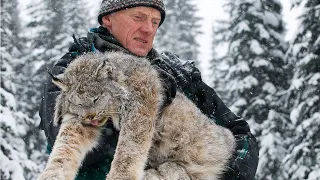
(315, 79)
(296, 84)
(312, 101)
(306, 59)
(271, 18)
(261, 63)
(258, 102)
(7, 119)
(317, 42)
(255, 47)
(10, 168)
(242, 26)
(278, 53)
(314, 174)
(263, 32)
(242, 66)
(235, 44)
(269, 87)
(294, 115)
(9, 98)
(239, 103)
(248, 82)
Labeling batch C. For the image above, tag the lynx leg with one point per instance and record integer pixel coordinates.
(136, 133)
(167, 171)
(132, 149)
(73, 142)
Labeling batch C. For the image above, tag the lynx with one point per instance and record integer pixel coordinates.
(177, 142)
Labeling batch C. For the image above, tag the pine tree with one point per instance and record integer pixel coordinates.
(179, 31)
(218, 66)
(77, 21)
(15, 125)
(257, 76)
(49, 33)
(53, 22)
(303, 96)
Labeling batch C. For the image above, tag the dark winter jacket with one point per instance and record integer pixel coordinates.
(188, 80)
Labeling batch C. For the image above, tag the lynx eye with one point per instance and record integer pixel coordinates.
(95, 100)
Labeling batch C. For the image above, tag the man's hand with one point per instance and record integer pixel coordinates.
(79, 46)
(186, 75)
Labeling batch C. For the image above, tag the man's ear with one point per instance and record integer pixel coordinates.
(106, 21)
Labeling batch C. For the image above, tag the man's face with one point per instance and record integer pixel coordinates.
(134, 28)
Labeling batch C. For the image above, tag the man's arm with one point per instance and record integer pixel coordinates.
(244, 162)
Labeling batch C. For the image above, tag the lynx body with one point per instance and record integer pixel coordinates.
(180, 143)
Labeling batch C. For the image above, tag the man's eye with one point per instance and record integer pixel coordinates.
(95, 100)
(137, 17)
(155, 23)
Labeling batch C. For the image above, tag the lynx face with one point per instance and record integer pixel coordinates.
(91, 91)
(92, 104)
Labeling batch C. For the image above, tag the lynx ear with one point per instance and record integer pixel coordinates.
(63, 86)
(57, 80)
(105, 70)
(101, 65)
(121, 78)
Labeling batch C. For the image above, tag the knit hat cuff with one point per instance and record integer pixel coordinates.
(124, 5)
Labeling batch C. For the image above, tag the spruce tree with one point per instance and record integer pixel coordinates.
(257, 75)
(48, 35)
(218, 66)
(77, 21)
(53, 22)
(15, 125)
(179, 31)
(303, 96)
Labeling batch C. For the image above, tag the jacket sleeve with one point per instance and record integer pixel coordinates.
(244, 162)
(49, 96)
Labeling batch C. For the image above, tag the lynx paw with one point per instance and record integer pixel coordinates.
(167, 171)
(57, 175)
(173, 171)
(152, 174)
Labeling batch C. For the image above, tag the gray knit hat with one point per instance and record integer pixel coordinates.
(110, 6)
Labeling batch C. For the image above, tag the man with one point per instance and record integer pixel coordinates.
(130, 26)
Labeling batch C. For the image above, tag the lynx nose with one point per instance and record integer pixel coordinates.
(90, 116)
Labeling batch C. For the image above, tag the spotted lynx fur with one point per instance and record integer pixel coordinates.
(178, 144)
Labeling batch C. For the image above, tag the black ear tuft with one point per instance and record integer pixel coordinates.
(57, 81)
(54, 78)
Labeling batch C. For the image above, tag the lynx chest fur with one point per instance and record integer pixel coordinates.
(177, 143)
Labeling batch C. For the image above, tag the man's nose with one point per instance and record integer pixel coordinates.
(147, 27)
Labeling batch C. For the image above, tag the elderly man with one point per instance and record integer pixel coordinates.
(130, 26)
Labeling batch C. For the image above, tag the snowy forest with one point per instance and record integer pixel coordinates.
(272, 83)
